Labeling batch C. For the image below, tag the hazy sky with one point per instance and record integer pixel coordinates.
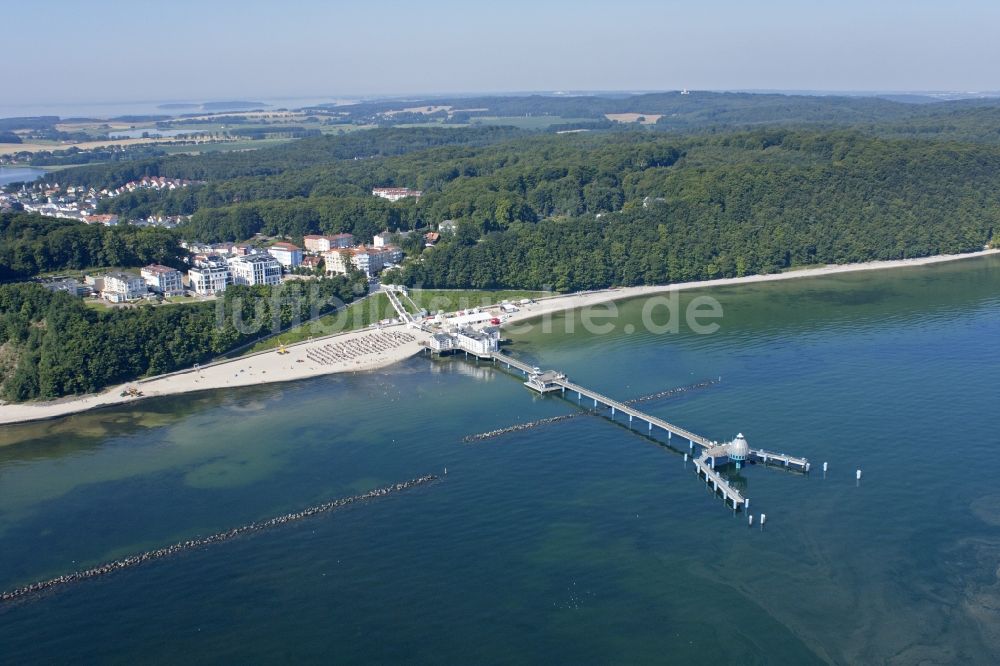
(75, 51)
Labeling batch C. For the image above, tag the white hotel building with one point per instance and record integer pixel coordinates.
(163, 280)
(288, 255)
(255, 269)
(123, 287)
(369, 260)
(210, 278)
(320, 244)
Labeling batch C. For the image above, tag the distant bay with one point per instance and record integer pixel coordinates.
(10, 175)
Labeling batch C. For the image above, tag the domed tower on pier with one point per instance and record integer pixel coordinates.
(739, 450)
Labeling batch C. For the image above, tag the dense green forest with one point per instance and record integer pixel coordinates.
(301, 154)
(677, 207)
(744, 204)
(52, 344)
(31, 244)
(641, 206)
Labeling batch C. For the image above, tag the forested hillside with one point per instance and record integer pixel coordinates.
(670, 208)
(51, 344)
(31, 244)
(300, 154)
(748, 204)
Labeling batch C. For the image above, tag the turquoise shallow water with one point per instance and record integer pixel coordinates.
(575, 542)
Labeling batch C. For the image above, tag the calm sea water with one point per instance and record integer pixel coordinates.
(147, 108)
(10, 175)
(574, 542)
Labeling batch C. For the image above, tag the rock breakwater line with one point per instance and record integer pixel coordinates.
(149, 556)
(669, 393)
(500, 432)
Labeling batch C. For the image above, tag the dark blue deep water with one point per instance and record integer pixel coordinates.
(574, 542)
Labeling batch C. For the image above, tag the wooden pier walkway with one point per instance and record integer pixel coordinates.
(730, 495)
(768, 458)
(545, 382)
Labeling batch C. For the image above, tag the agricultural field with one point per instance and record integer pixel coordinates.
(528, 122)
(37, 146)
(641, 118)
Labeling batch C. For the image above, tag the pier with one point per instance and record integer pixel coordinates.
(782, 459)
(485, 345)
(520, 427)
(705, 469)
(711, 454)
(550, 380)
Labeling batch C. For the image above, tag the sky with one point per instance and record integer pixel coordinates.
(70, 51)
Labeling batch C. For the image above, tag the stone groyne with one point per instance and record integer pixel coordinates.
(160, 553)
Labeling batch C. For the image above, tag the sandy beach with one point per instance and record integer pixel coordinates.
(303, 360)
(574, 301)
(374, 348)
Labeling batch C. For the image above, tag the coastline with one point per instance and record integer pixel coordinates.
(271, 367)
(553, 304)
(266, 367)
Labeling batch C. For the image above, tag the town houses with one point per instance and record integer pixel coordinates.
(81, 203)
(106, 219)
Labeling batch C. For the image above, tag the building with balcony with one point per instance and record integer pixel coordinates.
(163, 280)
(369, 260)
(210, 278)
(123, 287)
(254, 269)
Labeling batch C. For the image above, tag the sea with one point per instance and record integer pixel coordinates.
(582, 541)
(112, 109)
(10, 175)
